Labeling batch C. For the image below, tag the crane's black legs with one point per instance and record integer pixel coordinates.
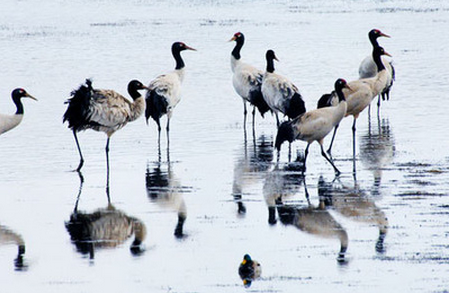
(79, 150)
(323, 153)
(306, 152)
(107, 166)
(353, 144)
(245, 111)
(329, 150)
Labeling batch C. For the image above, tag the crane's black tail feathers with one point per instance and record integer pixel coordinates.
(296, 107)
(256, 99)
(78, 110)
(285, 132)
(325, 100)
(156, 106)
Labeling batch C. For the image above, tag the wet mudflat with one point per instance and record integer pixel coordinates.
(212, 194)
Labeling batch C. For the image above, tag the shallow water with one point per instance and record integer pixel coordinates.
(218, 176)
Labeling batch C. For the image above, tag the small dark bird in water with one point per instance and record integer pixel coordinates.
(8, 122)
(102, 110)
(249, 270)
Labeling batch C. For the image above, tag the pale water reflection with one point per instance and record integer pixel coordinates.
(165, 190)
(395, 216)
(105, 227)
(9, 237)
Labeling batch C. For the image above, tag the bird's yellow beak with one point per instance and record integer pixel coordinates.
(30, 96)
(233, 39)
(244, 262)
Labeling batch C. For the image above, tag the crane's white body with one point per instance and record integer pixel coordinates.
(168, 86)
(363, 91)
(8, 122)
(245, 79)
(112, 111)
(368, 68)
(317, 124)
(277, 90)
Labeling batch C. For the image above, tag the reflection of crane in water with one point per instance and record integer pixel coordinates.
(281, 183)
(165, 189)
(7, 237)
(377, 148)
(248, 168)
(356, 205)
(103, 228)
(316, 221)
(310, 219)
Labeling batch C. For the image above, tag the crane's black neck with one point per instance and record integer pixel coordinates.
(377, 52)
(19, 105)
(133, 92)
(340, 95)
(238, 46)
(177, 55)
(270, 64)
(373, 39)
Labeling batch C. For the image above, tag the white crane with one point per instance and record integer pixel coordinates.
(164, 92)
(280, 93)
(368, 67)
(8, 122)
(247, 79)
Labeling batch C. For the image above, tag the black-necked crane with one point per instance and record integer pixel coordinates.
(360, 94)
(247, 80)
(7, 121)
(280, 93)
(164, 92)
(102, 110)
(363, 91)
(249, 270)
(368, 67)
(315, 125)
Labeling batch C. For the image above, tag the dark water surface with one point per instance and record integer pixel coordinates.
(211, 195)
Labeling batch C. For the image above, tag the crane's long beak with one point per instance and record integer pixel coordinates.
(348, 87)
(145, 87)
(387, 54)
(233, 39)
(30, 96)
(190, 48)
(384, 35)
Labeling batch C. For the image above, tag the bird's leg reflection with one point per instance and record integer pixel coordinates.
(164, 189)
